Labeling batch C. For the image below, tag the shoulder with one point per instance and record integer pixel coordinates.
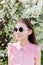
(36, 48)
(11, 45)
(14, 45)
(37, 51)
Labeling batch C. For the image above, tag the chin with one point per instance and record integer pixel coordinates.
(19, 39)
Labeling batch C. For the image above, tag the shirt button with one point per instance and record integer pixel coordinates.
(20, 54)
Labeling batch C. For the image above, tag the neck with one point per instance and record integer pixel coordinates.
(23, 42)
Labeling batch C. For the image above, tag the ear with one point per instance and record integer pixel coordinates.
(30, 32)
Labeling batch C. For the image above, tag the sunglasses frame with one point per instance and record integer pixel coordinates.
(19, 29)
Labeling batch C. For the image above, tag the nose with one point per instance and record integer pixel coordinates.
(18, 32)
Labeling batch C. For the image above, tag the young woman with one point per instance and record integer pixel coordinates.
(25, 50)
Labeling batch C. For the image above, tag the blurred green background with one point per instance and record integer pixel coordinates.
(12, 10)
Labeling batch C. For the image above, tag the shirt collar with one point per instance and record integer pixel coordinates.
(23, 47)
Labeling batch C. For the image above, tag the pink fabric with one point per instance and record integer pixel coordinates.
(24, 56)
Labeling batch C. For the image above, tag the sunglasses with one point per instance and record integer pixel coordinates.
(20, 29)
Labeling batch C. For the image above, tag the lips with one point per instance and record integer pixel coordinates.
(18, 35)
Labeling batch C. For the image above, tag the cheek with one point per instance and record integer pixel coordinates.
(14, 33)
(21, 35)
(25, 33)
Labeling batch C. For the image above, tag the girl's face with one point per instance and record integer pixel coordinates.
(21, 31)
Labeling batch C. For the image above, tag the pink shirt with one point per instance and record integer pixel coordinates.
(25, 55)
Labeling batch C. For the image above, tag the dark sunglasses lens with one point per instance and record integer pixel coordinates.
(15, 29)
(20, 29)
